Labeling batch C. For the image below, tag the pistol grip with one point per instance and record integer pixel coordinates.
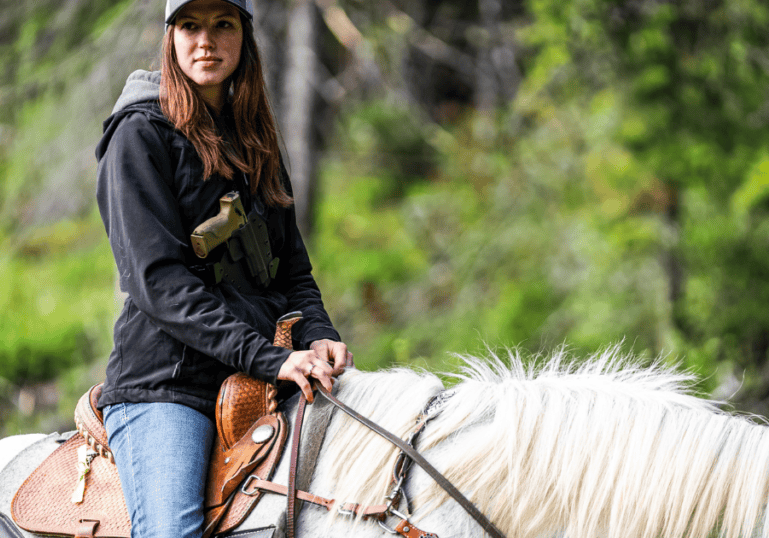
(216, 230)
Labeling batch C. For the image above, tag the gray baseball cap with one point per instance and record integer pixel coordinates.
(173, 7)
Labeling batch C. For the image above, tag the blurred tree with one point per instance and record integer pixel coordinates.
(299, 105)
(691, 80)
(515, 171)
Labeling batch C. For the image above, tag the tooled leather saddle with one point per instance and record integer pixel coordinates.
(76, 490)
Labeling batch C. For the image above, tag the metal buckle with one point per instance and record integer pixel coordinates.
(397, 514)
(347, 513)
(401, 467)
(386, 528)
(397, 495)
(245, 486)
(395, 492)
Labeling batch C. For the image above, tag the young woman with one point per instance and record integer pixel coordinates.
(177, 142)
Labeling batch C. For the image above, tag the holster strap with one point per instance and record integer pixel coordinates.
(224, 270)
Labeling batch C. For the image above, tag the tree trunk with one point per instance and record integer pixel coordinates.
(487, 84)
(299, 103)
(497, 75)
(266, 37)
(671, 261)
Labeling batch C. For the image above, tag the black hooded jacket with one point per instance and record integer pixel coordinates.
(177, 339)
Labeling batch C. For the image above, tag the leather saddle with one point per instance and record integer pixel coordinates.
(76, 490)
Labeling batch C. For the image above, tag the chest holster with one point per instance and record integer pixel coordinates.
(242, 245)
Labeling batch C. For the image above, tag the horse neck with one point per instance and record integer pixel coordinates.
(355, 463)
(606, 449)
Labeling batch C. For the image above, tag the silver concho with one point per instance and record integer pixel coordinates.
(262, 433)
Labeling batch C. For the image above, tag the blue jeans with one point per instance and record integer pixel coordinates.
(161, 451)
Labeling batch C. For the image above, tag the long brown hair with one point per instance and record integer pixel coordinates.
(256, 152)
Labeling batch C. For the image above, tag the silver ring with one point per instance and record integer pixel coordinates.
(310, 372)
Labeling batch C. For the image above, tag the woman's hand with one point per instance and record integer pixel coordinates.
(325, 359)
(335, 353)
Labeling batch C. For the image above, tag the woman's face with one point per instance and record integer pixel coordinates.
(208, 35)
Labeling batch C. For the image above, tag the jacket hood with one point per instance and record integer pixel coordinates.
(141, 92)
(141, 86)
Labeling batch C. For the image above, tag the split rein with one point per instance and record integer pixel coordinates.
(408, 455)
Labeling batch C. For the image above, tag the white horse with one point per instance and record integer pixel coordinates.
(603, 448)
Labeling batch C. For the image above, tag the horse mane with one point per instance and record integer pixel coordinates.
(603, 447)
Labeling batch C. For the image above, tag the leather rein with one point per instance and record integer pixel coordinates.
(407, 452)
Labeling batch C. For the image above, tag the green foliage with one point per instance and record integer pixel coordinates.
(57, 290)
(107, 19)
(58, 301)
(689, 150)
(388, 140)
(55, 89)
(623, 196)
(503, 246)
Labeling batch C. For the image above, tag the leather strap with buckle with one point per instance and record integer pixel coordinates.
(441, 480)
(405, 528)
(409, 451)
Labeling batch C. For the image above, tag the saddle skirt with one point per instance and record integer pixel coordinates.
(250, 438)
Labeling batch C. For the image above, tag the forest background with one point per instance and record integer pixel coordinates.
(471, 174)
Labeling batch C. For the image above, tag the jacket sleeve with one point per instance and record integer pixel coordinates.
(296, 282)
(149, 242)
